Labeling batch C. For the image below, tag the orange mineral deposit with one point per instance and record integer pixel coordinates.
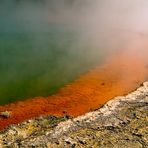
(118, 75)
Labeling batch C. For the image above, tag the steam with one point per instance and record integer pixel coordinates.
(96, 20)
(95, 29)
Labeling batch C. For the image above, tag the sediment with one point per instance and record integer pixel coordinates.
(121, 122)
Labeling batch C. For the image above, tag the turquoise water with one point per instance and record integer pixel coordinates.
(39, 63)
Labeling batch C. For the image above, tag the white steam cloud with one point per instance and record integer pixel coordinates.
(102, 27)
(105, 23)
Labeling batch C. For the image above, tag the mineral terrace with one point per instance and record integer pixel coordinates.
(121, 122)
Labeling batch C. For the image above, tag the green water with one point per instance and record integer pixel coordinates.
(39, 63)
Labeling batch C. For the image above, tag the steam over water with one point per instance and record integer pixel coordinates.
(38, 55)
(45, 44)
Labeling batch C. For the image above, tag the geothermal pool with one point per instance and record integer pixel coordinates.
(63, 75)
(116, 76)
(36, 63)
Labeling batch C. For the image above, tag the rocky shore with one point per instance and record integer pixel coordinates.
(121, 122)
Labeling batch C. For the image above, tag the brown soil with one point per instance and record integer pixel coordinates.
(118, 75)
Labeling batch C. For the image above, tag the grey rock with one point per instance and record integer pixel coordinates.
(5, 114)
(120, 123)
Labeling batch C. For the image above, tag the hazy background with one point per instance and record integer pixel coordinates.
(45, 44)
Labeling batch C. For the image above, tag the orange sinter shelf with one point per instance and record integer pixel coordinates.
(118, 75)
